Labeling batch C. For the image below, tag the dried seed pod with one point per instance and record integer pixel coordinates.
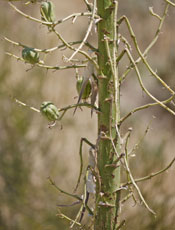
(30, 55)
(49, 110)
(47, 11)
(83, 87)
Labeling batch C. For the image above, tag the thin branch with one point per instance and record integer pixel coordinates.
(62, 67)
(87, 32)
(142, 56)
(47, 66)
(152, 174)
(64, 109)
(70, 47)
(126, 198)
(136, 146)
(62, 191)
(15, 43)
(85, 104)
(30, 17)
(142, 85)
(136, 187)
(144, 107)
(69, 205)
(50, 49)
(25, 105)
(37, 50)
(78, 42)
(132, 179)
(66, 44)
(83, 140)
(121, 225)
(171, 3)
(61, 215)
(157, 32)
(84, 203)
(75, 15)
(128, 171)
(126, 150)
(154, 14)
(151, 43)
(52, 23)
(89, 5)
(119, 57)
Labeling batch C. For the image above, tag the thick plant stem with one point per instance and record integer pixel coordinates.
(107, 197)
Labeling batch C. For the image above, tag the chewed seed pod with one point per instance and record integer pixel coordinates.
(47, 11)
(87, 89)
(30, 55)
(49, 110)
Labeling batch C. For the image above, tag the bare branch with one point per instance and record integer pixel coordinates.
(87, 32)
(132, 179)
(76, 15)
(136, 187)
(64, 109)
(151, 43)
(66, 44)
(152, 174)
(121, 225)
(49, 50)
(30, 17)
(145, 107)
(171, 3)
(62, 191)
(85, 104)
(61, 215)
(126, 198)
(142, 56)
(143, 87)
(52, 23)
(83, 140)
(154, 14)
(136, 146)
(25, 105)
(89, 5)
(47, 66)
(84, 203)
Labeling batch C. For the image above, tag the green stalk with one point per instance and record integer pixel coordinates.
(107, 199)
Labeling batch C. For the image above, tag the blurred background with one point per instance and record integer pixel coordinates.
(30, 152)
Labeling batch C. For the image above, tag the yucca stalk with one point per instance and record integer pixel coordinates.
(107, 197)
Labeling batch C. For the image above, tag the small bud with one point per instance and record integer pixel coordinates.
(30, 55)
(49, 110)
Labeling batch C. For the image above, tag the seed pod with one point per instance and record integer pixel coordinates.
(30, 55)
(47, 11)
(49, 110)
(83, 87)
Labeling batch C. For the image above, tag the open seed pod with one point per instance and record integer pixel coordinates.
(30, 55)
(49, 110)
